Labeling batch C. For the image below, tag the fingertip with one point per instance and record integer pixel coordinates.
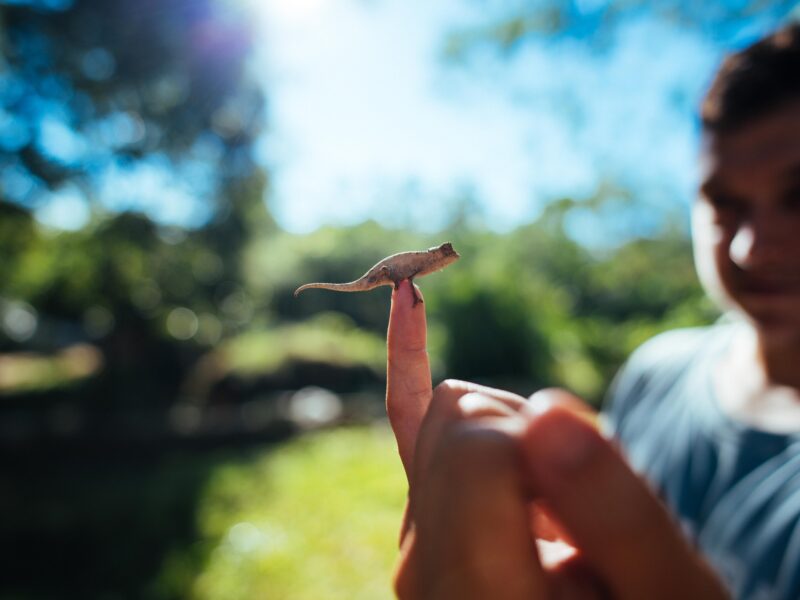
(403, 295)
(545, 399)
(542, 399)
(558, 441)
(407, 326)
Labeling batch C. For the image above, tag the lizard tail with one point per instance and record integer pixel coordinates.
(336, 287)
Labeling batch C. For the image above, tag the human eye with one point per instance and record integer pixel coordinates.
(791, 200)
(725, 204)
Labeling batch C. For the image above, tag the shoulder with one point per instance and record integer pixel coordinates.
(658, 367)
(670, 350)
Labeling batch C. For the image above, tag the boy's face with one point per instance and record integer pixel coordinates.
(746, 221)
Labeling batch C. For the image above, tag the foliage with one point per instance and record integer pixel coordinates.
(595, 23)
(492, 334)
(110, 106)
(327, 337)
(152, 303)
(528, 308)
(524, 309)
(92, 84)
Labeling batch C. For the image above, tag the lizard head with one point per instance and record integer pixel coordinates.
(448, 252)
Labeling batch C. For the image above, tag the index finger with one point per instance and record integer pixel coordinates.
(408, 373)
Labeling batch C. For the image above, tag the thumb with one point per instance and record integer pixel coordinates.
(621, 529)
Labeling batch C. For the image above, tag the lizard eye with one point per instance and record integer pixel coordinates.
(371, 279)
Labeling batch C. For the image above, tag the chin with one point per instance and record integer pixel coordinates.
(778, 326)
(776, 316)
(779, 337)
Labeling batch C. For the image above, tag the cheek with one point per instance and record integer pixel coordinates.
(711, 243)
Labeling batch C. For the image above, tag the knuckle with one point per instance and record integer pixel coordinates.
(450, 386)
(446, 394)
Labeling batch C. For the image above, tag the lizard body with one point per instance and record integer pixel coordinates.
(394, 269)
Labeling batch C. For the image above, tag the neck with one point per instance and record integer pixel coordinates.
(756, 381)
(778, 357)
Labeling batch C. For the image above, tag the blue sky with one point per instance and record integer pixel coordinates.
(368, 121)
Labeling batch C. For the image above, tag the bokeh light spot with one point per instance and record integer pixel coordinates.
(182, 323)
(98, 64)
(66, 208)
(19, 320)
(314, 406)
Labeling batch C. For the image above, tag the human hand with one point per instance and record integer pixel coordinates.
(484, 463)
(409, 389)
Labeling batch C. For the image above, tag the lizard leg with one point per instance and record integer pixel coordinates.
(387, 272)
(417, 298)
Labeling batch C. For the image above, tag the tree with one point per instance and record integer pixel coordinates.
(127, 107)
(594, 22)
(91, 85)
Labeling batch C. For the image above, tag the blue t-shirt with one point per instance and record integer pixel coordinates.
(734, 489)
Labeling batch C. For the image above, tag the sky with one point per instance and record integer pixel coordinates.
(368, 120)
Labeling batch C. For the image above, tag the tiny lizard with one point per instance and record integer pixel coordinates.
(395, 268)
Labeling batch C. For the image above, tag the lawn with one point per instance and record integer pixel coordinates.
(314, 518)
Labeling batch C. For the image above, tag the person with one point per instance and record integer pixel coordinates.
(694, 489)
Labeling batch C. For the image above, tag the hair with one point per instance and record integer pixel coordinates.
(754, 81)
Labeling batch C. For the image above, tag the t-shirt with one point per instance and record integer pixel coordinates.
(735, 489)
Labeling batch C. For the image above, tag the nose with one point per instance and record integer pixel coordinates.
(757, 243)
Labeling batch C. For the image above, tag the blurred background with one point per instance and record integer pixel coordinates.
(173, 423)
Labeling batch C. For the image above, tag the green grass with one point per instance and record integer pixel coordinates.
(315, 518)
